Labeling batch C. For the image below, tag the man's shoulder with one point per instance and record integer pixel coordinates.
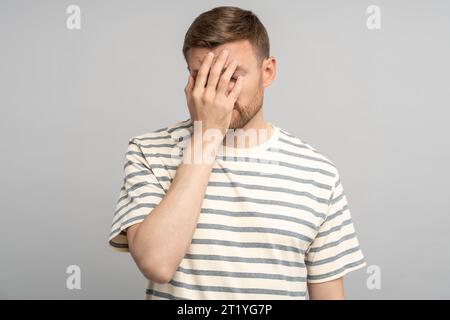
(295, 144)
(158, 147)
(168, 134)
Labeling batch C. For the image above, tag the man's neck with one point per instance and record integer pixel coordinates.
(256, 132)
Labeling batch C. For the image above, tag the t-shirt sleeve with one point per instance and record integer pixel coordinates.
(335, 250)
(141, 192)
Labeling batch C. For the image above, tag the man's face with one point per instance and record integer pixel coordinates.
(250, 99)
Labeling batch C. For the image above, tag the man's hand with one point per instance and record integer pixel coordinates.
(207, 96)
(330, 290)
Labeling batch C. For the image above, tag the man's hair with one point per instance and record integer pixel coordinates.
(225, 24)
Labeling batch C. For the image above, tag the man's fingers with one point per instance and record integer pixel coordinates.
(189, 86)
(234, 94)
(226, 76)
(188, 92)
(216, 71)
(202, 74)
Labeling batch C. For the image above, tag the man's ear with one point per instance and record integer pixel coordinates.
(269, 70)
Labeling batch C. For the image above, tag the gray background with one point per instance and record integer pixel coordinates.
(373, 101)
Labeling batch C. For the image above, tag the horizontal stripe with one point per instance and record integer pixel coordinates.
(254, 229)
(118, 245)
(167, 136)
(337, 213)
(254, 160)
(241, 274)
(258, 174)
(116, 231)
(299, 142)
(244, 259)
(337, 199)
(248, 245)
(156, 155)
(337, 182)
(334, 243)
(161, 145)
(238, 290)
(178, 155)
(267, 202)
(136, 186)
(334, 229)
(290, 135)
(333, 258)
(278, 163)
(179, 127)
(141, 205)
(266, 188)
(142, 195)
(161, 129)
(295, 144)
(156, 293)
(136, 174)
(260, 215)
(132, 163)
(299, 155)
(271, 176)
(337, 271)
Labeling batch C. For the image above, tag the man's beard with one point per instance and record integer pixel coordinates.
(243, 114)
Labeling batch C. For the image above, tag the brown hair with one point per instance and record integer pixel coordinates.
(225, 24)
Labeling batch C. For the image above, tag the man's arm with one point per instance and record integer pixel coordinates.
(330, 290)
(161, 240)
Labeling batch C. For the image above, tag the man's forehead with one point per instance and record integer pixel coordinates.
(199, 60)
(196, 67)
(238, 49)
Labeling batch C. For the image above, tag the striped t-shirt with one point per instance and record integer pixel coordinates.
(274, 217)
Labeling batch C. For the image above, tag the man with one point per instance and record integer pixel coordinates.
(211, 215)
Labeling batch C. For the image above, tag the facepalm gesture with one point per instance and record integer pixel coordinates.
(208, 96)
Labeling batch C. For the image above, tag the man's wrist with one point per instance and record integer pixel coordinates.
(202, 147)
